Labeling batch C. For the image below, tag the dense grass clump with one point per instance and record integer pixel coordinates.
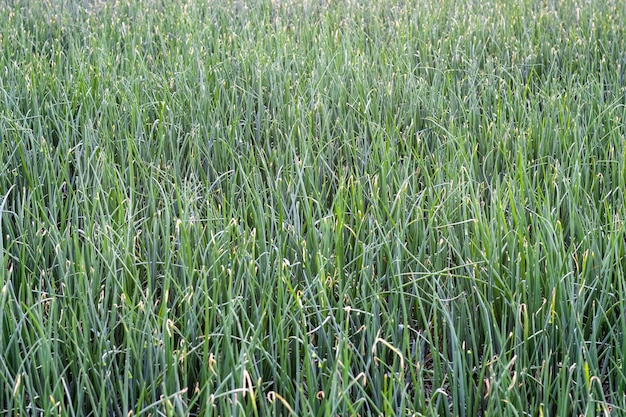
(312, 208)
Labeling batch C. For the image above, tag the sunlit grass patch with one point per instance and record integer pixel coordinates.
(312, 208)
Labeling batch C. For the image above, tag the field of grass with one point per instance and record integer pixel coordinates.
(312, 208)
